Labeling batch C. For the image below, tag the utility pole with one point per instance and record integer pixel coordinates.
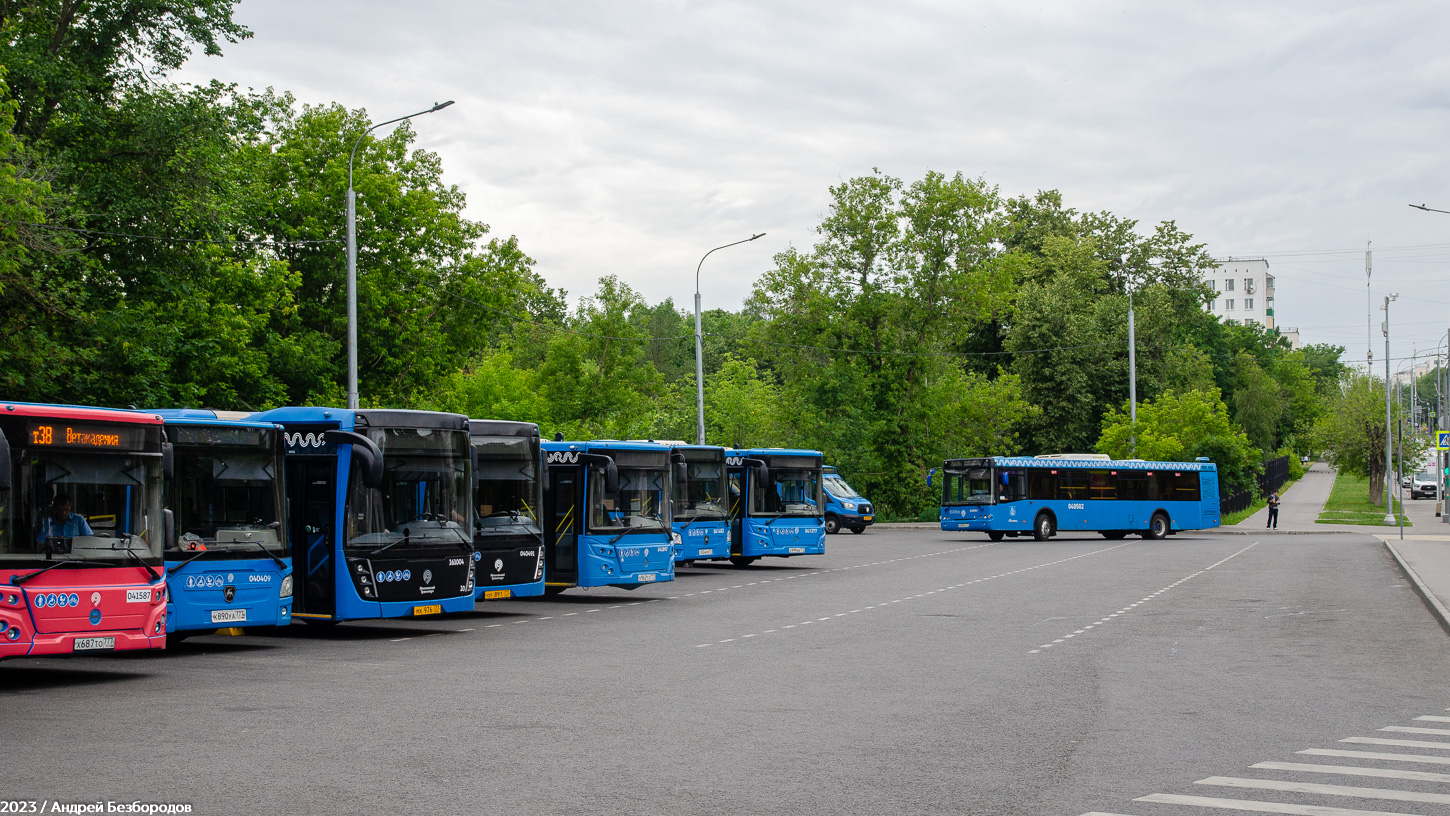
(1389, 431)
(1369, 311)
(1132, 383)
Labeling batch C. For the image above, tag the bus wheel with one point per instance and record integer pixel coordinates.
(1042, 528)
(742, 560)
(1114, 535)
(996, 536)
(1157, 528)
(833, 525)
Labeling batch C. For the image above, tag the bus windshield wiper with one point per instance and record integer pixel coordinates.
(17, 580)
(268, 551)
(401, 540)
(179, 567)
(155, 576)
(775, 518)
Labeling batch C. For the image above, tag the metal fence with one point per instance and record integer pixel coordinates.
(1276, 472)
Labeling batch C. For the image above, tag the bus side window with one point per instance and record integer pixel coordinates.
(1041, 483)
(1185, 486)
(1012, 485)
(1072, 484)
(1133, 486)
(1103, 485)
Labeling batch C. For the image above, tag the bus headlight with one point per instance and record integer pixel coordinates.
(286, 586)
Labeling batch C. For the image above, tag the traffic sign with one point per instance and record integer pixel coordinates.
(1442, 440)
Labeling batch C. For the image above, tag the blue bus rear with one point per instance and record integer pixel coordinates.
(1039, 496)
(607, 515)
(844, 506)
(776, 504)
(380, 507)
(701, 510)
(226, 549)
(508, 495)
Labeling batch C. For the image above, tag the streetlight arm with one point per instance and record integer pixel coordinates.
(1429, 209)
(701, 264)
(436, 107)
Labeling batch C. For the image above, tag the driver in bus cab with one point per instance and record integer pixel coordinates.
(61, 522)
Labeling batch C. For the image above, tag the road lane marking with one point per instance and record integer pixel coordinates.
(1404, 729)
(1429, 718)
(1150, 597)
(1395, 742)
(1326, 790)
(1353, 770)
(1260, 807)
(1380, 755)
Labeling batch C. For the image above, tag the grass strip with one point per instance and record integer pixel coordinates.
(1349, 504)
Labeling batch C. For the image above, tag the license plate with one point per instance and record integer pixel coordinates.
(229, 616)
(93, 644)
(797, 549)
(646, 577)
(492, 594)
(707, 552)
(428, 609)
(138, 596)
(866, 518)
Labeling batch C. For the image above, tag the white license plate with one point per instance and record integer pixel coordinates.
(138, 596)
(707, 552)
(229, 616)
(646, 577)
(92, 644)
(797, 549)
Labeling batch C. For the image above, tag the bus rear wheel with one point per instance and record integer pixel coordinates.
(1043, 528)
(833, 525)
(1157, 528)
(742, 560)
(996, 536)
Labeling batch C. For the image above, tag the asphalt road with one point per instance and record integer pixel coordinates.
(903, 672)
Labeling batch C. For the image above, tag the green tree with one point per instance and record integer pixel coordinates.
(1351, 431)
(1180, 428)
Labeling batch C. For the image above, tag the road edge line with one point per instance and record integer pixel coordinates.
(1433, 603)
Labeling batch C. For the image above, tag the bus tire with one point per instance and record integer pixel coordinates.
(833, 524)
(742, 560)
(1114, 535)
(1157, 528)
(996, 535)
(1042, 527)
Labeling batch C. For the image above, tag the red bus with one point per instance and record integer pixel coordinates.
(81, 530)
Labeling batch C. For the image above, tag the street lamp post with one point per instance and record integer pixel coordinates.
(352, 397)
(699, 355)
(1132, 383)
(1389, 435)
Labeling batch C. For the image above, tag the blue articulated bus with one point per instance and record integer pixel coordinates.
(844, 506)
(226, 549)
(380, 507)
(776, 504)
(701, 512)
(508, 496)
(1038, 496)
(607, 515)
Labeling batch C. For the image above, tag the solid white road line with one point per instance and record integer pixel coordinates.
(1326, 790)
(1397, 743)
(1353, 770)
(1386, 757)
(1260, 807)
(1100, 813)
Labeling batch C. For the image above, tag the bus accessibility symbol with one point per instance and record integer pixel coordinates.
(1442, 440)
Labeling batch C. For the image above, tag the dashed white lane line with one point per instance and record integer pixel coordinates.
(1130, 607)
(934, 591)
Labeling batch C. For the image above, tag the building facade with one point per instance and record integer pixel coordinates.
(1245, 291)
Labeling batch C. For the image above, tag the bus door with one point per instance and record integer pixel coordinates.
(736, 504)
(312, 514)
(564, 518)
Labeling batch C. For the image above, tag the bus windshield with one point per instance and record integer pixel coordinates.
(227, 494)
(837, 487)
(424, 497)
(639, 504)
(968, 486)
(81, 506)
(507, 486)
(701, 497)
(789, 492)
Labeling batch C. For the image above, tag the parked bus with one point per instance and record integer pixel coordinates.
(701, 509)
(607, 515)
(844, 506)
(380, 507)
(226, 554)
(1038, 496)
(776, 504)
(81, 530)
(508, 495)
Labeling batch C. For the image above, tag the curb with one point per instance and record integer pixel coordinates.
(1436, 608)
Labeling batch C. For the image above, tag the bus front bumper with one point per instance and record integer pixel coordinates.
(503, 593)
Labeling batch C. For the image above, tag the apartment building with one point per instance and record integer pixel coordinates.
(1245, 291)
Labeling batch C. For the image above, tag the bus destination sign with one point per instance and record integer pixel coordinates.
(60, 434)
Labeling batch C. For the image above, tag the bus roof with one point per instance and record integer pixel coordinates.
(605, 444)
(773, 452)
(502, 427)
(220, 419)
(366, 418)
(1085, 464)
(80, 412)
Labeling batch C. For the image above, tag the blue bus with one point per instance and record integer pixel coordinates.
(226, 549)
(607, 515)
(1038, 496)
(844, 506)
(508, 496)
(776, 504)
(380, 506)
(701, 512)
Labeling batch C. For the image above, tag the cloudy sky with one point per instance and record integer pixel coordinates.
(629, 137)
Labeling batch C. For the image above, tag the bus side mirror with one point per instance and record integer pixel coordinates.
(168, 461)
(473, 460)
(929, 475)
(4, 463)
(168, 534)
(682, 471)
(611, 477)
(366, 455)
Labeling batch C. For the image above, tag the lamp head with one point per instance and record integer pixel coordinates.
(438, 106)
(753, 237)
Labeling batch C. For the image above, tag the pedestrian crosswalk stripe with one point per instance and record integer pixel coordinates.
(1353, 770)
(1260, 807)
(1326, 790)
(1404, 729)
(1380, 755)
(1395, 742)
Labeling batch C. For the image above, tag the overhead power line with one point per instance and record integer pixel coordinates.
(175, 240)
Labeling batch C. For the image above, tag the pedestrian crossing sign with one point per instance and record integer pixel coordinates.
(1442, 440)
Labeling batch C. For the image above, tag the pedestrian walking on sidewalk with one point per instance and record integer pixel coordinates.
(1273, 511)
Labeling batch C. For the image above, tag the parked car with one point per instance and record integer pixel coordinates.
(1423, 485)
